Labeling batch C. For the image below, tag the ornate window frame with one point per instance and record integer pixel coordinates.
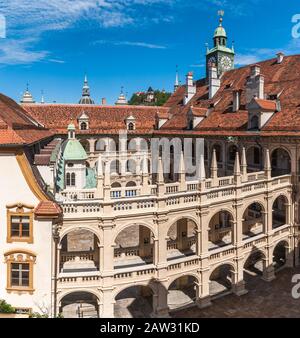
(19, 210)
(22, 257)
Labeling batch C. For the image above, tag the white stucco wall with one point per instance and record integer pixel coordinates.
(14, 189)
(47, 174)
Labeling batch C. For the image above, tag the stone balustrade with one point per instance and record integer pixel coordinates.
(131, 200)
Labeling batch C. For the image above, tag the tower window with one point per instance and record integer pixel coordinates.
(68, 179)
(73, 180)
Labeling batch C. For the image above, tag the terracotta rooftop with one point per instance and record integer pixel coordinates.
(266, 105)
(102, 119)
(47, 209)
(281, 78)
(16, 126)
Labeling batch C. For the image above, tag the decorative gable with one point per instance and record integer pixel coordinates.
(83, 121)
(130, 123)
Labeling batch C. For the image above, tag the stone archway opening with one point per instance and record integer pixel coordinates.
(280, 254)
(182, 292)
(182, 239)
(280, 210)
(134, 246)
(254, 159)
(79, 305)
(134, 302)
(86, 145)
(281, 162)
(254, 267)
(220, 230)
(221, 280)
(79, 252)
(253, 221)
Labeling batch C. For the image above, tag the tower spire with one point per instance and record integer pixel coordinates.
(86, 94)
(176, 85)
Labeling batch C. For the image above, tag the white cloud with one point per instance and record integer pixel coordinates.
(130, 43)
(253, 55)
(29, 19)
(19, 52)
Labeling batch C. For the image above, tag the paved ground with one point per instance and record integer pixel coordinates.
(264, 300)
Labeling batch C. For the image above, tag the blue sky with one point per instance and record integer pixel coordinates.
(130, 43)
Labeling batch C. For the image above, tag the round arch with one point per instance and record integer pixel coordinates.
(122, 288)
(121, 228)
(217, 266)
(83, 290)
(258, 251)
(70, 230)
(281, 161)
(260, 202)
(188, 274)
(175, 219)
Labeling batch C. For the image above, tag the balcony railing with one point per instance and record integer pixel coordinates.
(149, 197)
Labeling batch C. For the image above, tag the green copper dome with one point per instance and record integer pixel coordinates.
(74, 151)
(71, 126)
(220, 32)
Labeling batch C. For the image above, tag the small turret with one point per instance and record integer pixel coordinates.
(86, 95)
(27, 97)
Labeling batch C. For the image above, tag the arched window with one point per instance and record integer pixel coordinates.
(73, 180)
(68, 179)
(130, 126)
(83, 126)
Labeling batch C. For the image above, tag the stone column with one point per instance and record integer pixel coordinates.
(204, 223)
(204, 300)
(92, 143)
(238, 282)
(160, 300)
(107, 306)
(107, 259)
(268, 268)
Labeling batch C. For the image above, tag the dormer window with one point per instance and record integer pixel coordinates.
(130, 123)
(83, 121)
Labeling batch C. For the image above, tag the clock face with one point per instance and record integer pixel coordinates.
(212, 61)
(226, 62)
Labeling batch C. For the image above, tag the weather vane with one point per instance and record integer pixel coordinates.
(221, 14)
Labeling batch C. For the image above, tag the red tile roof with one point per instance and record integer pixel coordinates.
(281, 78)
(266, 105)
(16, 126)
(102, 119)
(48, 209)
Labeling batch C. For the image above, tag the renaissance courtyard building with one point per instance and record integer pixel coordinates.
(87, 224)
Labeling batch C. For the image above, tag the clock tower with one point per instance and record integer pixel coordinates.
(220, 54)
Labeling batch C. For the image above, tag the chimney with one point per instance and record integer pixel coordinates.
(280, 57)
(255, 86)
(255, 70)
(103, 101)
(190, 87)
(236, 100)
(214, 81)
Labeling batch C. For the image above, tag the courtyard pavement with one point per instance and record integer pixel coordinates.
(264, 300)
